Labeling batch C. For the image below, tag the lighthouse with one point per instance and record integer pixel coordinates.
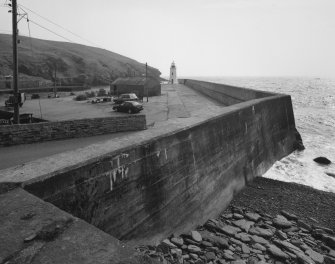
(173, 74)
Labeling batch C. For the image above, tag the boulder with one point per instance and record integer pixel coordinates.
(196, 236)
(327, 230)
(245, 249)
(322, 160)
(317, 257)
(212, 225)
(238, 216)
(260, 240)
(228, 256)
(193, 249)
(281, 235)
(267, 233)
(239, 261)
(253, 216)
(288, 215)
(244, 224)
(277, 252)
(331, 174)
(287, 245)
(229, 230)
(243, 237)
(167, 242)
(303, 259)
(219, 242)
(304, 225)
(210, 256)
(282, 222)
(206, 243)
(176, 251)
(178, 241)
(259, 247)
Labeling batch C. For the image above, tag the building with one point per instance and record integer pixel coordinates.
(141, 86)
(173, 74)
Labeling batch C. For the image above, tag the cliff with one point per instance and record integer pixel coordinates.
(75, 63)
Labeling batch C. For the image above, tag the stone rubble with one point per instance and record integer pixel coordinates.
(240, 236)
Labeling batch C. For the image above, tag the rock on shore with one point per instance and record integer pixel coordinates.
(268, 222)
(241, 236)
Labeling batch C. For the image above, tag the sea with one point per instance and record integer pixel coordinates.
(314, 110)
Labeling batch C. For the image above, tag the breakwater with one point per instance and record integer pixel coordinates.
(153, 187)
(171, 177)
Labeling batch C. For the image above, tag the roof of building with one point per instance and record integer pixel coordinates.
(139, 80)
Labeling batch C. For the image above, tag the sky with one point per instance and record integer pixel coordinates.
(203, 37)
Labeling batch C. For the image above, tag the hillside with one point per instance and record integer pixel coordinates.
(75, 63)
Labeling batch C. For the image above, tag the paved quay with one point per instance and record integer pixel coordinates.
(176, 104)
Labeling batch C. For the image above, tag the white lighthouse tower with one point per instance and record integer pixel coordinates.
(173, 74)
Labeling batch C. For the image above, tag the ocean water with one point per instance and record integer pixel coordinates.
(314, 110)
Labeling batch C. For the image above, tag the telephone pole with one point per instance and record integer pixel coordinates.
(15, 63)
(146, 76)
(55, 89)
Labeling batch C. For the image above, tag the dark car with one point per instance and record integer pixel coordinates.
(128, 107)
(10, 102)
(126, 97)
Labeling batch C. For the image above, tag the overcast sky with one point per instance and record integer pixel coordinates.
(203, 37)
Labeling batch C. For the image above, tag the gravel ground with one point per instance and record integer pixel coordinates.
(271, 196)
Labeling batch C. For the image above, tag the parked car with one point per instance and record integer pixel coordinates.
(126, 97)
(128, 107)
(101, 100)
(96, 100)
(10, 102)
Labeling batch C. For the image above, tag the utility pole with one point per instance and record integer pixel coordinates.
(146, 76)
(15, 64)
(55, 91)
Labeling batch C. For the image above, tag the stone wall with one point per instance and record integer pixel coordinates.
(46, 131)
(46, 89)
(175, 181)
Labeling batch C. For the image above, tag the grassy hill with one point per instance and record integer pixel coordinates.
(75, 63)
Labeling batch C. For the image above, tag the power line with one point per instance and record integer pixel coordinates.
(67, 30)
(31, 43)
(51, 31)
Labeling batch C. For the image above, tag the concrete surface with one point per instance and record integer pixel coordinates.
(32, 231)
(158, 110)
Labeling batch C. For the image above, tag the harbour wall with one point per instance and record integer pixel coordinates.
(225, 94)
(47, 131)
(180, 178)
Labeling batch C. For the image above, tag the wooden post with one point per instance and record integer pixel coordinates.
(15, 64)
(146, 76)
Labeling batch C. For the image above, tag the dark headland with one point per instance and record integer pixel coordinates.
(74, 63)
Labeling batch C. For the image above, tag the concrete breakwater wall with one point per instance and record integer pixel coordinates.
(46, 131)
(225, 94)
(173, 181)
